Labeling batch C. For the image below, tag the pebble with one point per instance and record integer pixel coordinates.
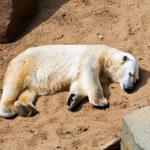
(100, 36)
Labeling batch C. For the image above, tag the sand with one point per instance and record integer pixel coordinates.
(124, 24)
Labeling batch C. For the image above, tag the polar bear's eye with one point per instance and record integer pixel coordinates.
(125, 58)
(130, 74)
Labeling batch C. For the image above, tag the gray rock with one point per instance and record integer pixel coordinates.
(135, 133)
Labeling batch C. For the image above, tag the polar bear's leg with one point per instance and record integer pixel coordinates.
(92, 86)
(24, 106)
(76, 95)
(9, 95)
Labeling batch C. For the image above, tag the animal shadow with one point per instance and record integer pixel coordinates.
(45, 9)
(144, 76)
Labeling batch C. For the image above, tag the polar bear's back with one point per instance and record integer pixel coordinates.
(59, 57)
(49, 68)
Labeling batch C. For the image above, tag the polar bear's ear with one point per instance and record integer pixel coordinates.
(124, 59)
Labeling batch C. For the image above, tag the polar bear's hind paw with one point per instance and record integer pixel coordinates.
(25, 110)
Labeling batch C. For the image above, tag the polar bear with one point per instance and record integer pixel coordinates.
(48, 69)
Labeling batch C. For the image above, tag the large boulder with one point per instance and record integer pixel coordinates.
(13, 15)
(135, 133)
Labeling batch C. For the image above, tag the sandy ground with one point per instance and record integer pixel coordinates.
(124, 24)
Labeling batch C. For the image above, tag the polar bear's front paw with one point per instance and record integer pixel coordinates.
(102, 103)
(73, 101)
(24, 109)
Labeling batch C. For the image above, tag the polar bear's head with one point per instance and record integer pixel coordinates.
(123, 68)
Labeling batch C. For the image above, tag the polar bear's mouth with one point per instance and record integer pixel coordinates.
(130, 87)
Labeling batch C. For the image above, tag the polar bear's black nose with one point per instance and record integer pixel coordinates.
(129, 88)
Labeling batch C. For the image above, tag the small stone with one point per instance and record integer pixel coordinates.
(63, 15)
(58, 147)
(61, 36)
(100, 36)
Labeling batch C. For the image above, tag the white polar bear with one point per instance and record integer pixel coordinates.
(47, 69)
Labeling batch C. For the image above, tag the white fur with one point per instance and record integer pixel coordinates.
(47, 69)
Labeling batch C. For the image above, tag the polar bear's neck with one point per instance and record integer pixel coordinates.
(109, 51)
(106, 53)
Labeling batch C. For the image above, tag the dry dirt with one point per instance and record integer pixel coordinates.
(124, 24)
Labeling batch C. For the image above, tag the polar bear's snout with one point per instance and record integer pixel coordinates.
(130, 83)
(128, 86)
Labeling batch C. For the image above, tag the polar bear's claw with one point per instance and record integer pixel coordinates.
(70, 99)
(102, 104)
(74, 101)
